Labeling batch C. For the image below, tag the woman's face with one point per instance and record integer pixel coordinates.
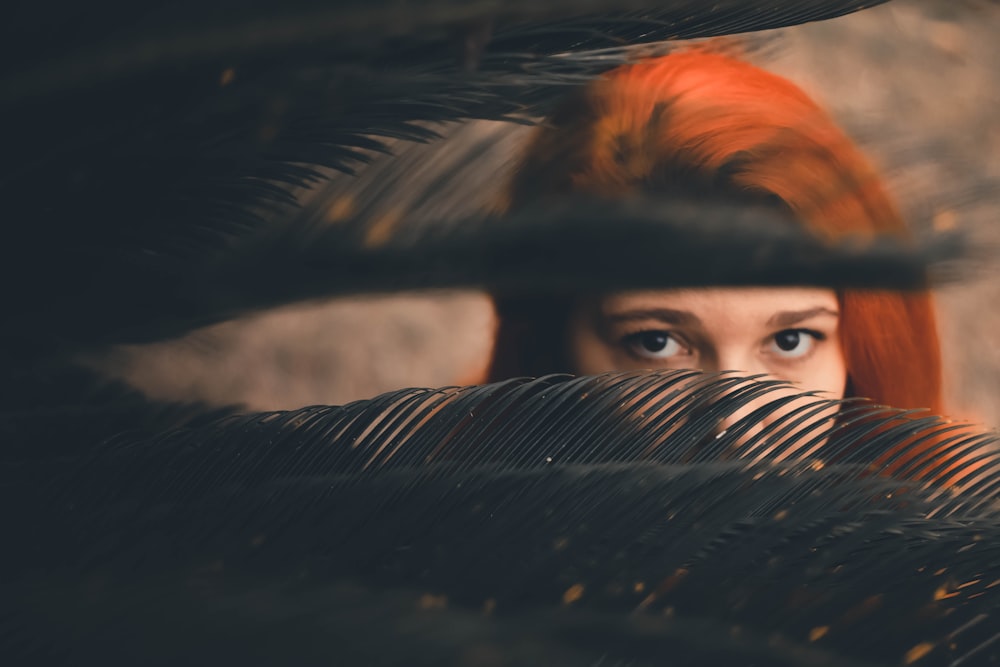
(789, 333)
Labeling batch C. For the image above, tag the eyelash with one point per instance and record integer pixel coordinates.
(816, 336)
(632, 341)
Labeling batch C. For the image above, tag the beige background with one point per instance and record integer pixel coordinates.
(916, 83)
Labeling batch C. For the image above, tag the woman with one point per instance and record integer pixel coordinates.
(702, 124)
(697, 124)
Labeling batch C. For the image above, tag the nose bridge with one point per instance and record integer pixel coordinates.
(743, 361)
(737, 358)
(748, 407)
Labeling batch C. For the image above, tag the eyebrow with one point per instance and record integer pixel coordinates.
(684, 318)
(668, 315)
(792, 317)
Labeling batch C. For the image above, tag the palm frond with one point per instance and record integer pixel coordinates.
(664, 417)
(603, 516)
(566, 247)
(57, 410)
(159, 138)
(559, 521)
(55, 46)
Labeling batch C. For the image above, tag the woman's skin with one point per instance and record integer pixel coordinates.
(790, 334)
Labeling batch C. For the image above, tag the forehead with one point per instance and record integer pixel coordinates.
(709, 302)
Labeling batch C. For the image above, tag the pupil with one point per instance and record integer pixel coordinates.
(654, 341)
(787, 340)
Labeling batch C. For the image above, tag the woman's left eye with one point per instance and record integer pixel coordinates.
(793, 343)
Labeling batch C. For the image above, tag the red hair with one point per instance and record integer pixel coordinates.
(709, 124)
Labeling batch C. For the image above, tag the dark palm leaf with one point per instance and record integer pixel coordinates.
(559, 521)
(58, 410)
(54, 46)
(592, 518)
(165, 135)
(575, 247)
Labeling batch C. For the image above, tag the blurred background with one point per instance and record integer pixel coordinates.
(915, 82)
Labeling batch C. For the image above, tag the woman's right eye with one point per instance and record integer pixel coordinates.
(654, 345)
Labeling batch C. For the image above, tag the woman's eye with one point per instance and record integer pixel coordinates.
(793, 343)
(654, 344)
